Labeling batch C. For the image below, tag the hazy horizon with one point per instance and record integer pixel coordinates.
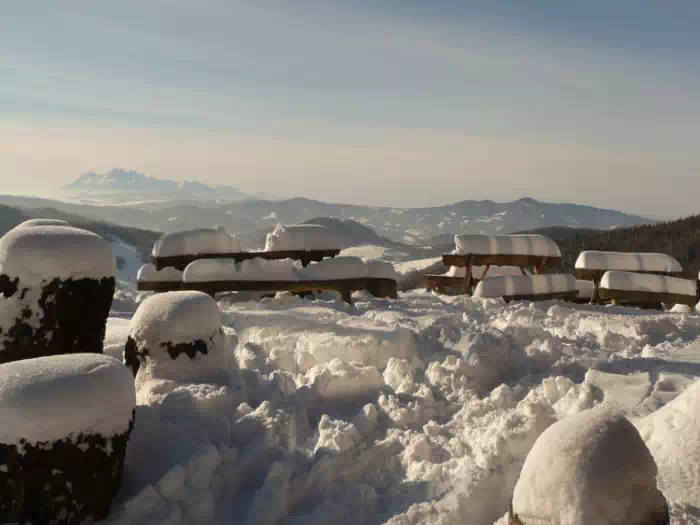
(403, 104)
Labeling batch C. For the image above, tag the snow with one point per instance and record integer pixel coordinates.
(381, 269)
(259, 269)
(630, 262)
(51, 398)
(195, 242)
(42, 253)
(176, 317)
(204, 270)
(538, 245)
(116, 334)
(615, 280)
(585, 288)
(301, 237)
(509, 285)
(148, 273)
(478, 271)
(591, 467)
(42, 222)
(334, 268)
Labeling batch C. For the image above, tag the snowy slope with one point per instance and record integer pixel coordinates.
(415, 411)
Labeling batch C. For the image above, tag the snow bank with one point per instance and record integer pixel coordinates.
(615, 280)
(206, 270)
(509, 285)
(195, 242)
(630, 262)
(335, 268)
(537, 245)
(301, 237)
(43, 253)
(673, 436)
(381, 269)
(259, 269)
(51, 398)
(148, 273)
(42, 222)
(591, 467)
(585, 288)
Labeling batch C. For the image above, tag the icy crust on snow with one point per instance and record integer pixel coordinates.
(507, 285)
(42, 222)
(538, 245)
(148, 273)
(301, 237)
(629, 262)
(207, 270)
(259, 269)
(195, 242)
(51, 398)
(591, 467)
(615, 280)
(175, 317)
(42, 253)
(478, 271)
(673, 436)
(334, 268)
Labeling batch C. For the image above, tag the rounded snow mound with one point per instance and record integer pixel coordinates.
(381, 269)
(42, 222)
(175, 317)
(196, 242)
(41, 253)
(591, 467)
(148, 273)
(301, 237)
(206, 270)
(346, 267)
(51, 398)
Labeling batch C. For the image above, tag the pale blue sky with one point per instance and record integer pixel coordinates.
(401, 102)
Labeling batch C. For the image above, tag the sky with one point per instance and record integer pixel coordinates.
(396, 102)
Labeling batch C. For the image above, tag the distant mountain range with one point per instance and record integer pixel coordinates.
(128, 184)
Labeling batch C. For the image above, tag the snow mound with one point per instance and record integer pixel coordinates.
(51, 398)
(301, 237)
(42, 222)
(259, 269)
(508, 285)
(673, 436)
(196, 242)
(148, 273)
(381, 269)
(344, 380)
(630, 262)
(616, 280)
(537, 245)
(334, 268)
(175, 317)
(590, 467)
(44, 253)
(205, 270)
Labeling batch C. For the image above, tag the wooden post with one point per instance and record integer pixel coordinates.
(468, 276)
(486, 270)
(346, 293)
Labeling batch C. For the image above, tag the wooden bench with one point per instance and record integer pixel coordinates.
(593, 265)
(377, 286)
(647, 290)
(528, 288)
(306, 257)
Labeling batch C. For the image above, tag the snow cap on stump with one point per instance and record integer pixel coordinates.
(167, 325)
(591, 467)
(38, 254)
(42, 222)
(65, 422)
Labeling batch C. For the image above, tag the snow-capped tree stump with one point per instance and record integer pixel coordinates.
(57, 284)
(64, 426)
(591, 467)
(177, 336)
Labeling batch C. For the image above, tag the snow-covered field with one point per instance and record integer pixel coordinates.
(419, 410)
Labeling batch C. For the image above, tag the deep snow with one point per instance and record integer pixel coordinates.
(420, 410)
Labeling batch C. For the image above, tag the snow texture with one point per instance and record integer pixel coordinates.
(301, 237)
(335, 268)
(591, 467)
(615, 280)
(629, 262)
(259, 269)
(207, 270)
(39, 254)
(176, 317)
(195, 242)
(51, 398)
(508, 285)
(381, 269)
(538, 245)
(148, 273)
